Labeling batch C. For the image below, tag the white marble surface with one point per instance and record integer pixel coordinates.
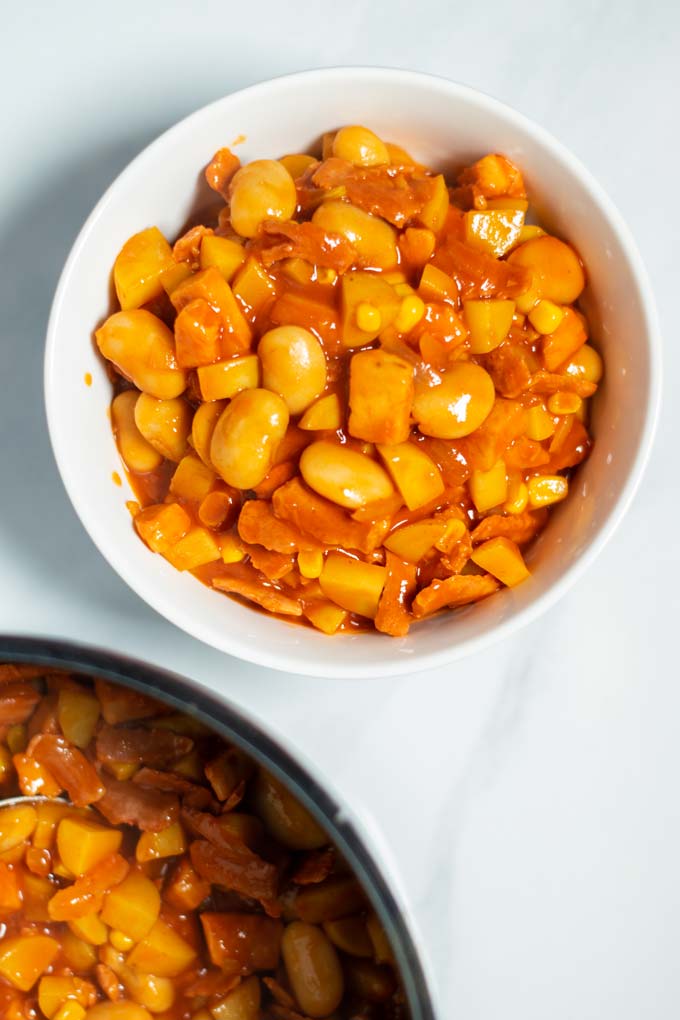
(526, 799)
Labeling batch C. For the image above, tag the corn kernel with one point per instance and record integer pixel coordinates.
(518, 497)
(368, 317)
(546, 316)
(489, 488)
(324, 274)
(410, 313)
(16, 738)
(231, 549)
(310, 564)
(547, 489)
(70, 1011)
(564, 403)
(541, 426)
(119, 940)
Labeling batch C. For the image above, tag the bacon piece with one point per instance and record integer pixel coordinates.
(324, 521)
(18, 671)
(480, 275)
(220, 171)
(307, 241)
(140, 746)
(252, 941)
(574, 449)
(393, 616)
(315, 866)
(170, 782)
(521, 528)
(273, 565)
(509, 369)
(108, 982)
(453, 592)
(524, 454)
(227, 773)
(396, 195)
(222, 858)
(506, 421)
(68, 766)
(547, 383)
(122, 704)
(188, 247)
(242, 579)
(17, 703)
(86, 895)
(457, 556)
(128, 803)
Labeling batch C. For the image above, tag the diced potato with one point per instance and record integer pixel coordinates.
(359, 288)
(381, 389)
(223, 253)
(227, 378)
(502, 558)
(162, 952)
(25, 957)
(353, 585)
(194, 550)
(540, 424)
(436, 285)
(10, 890)
(253, 287)
(211, 286)
(243, 1003)
(17, 822)
(90, 929)
(350, 935)
(493, 231)
(48, 817)
(176, 274)
(416, 476)
(79, 955)
(489, 322)
(324, 414)
(77, 712)
(489, 488)
(133, 906)
(434, 213)
(138, 268)
(123, 1009)
(414, 541)
(325, 616)
(82, 843)
(162, 526)
(192, 480)
(168, 842)
(53, 991)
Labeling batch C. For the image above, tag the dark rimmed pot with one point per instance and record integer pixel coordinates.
(185, 694)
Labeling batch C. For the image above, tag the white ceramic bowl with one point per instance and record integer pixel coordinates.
(444, 125)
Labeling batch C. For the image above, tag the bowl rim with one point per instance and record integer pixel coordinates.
(416, 661)
(231, 722)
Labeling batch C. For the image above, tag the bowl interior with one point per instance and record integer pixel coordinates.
(445, 126)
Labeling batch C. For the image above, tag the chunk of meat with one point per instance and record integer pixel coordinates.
(170, 782)
(307, 241)
(547, 383)
(521, 528)
(273, 565)
(393, 616)
(509, 369)
(220, 171)
(324, 521)
(140, 746)
(480, 275)
(86, 895)
(17, 703)
(258, 525)
(68, 766)
(253, 942)
(242, 579)
(128, 803)
(122, 704)
(506, 421)
(453, 592)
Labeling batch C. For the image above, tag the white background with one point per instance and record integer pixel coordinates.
(526, 799)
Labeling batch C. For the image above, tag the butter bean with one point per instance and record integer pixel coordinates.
(313, 969)
(261, 190)
(360, 146)
(142, 348)
(165, 424)
(246, 437)
(138, 454)
(457, 405)
(346, 477)
(374, 239)
(284, 816)
(293, 365)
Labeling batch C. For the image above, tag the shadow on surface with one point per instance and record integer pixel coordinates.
(36, 519)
